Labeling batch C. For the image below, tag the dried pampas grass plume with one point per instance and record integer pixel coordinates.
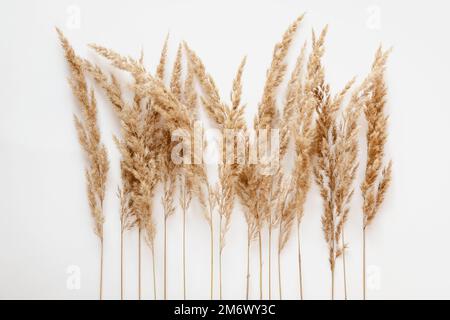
(267, 110)
(177, 111)
(257, 198)
(281, 205)
(302, 131)
(137, 145)
(337, 160)
(230, 119)
(377, 178)
(127, 218)
(89, 138)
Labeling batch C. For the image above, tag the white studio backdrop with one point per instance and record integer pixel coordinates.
(46, 232)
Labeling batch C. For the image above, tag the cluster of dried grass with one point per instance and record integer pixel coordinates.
(323, 132)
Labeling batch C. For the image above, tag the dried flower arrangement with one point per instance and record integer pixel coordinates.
(323, 132)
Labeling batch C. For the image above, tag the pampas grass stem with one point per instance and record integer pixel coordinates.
(154, 271)
(299, 254)
(165, 258)
(101, 269)
(139, 263)
(184, 247)
(121, 261)
(364, 263)
(332, 283)
(270, 257)
(260, 265)
(211, 243)
(343, 264)
(279, 259)
(220, 260)
(248, 263)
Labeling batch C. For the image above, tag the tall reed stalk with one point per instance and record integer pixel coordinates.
(377, 178)
(337, 156)
(230, 119)
(138, 129)
(89, 138)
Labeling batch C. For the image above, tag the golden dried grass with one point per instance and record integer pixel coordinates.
(230, 119)
(137, 147)
(89, 138)
(377, 177)
(325, 138)
(337, 159)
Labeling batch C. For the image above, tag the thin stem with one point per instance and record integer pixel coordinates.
(121, 259)
(184, 252)
(364, 263)
(101, 268)
(139, 264)
(165, 258)
(270, 255)
(260, 264)
(332, 282)
(279, 259)
(299, 260)
(211, 227)
(333, 244)
(154, 271)
(248, 262)
(343, 263)
(220, 258)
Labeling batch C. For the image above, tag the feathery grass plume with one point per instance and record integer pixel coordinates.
(157, 140)
(169, 170)
(213, 106)
(285, 124)
(253, 185)
(137, 149)
(267, 110)
(196, 68)
(337, 161)
(161, 69)
(329, 150)
(178, 115)
(319, 94)
(137, 162)
(377, 178)
(294, 124)
(197, 177)
(89, 138)
(193, 178)
(231, 120)
(127, 217)
(303, 130)
(268, 119)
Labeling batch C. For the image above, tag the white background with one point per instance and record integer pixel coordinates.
(45, 226)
